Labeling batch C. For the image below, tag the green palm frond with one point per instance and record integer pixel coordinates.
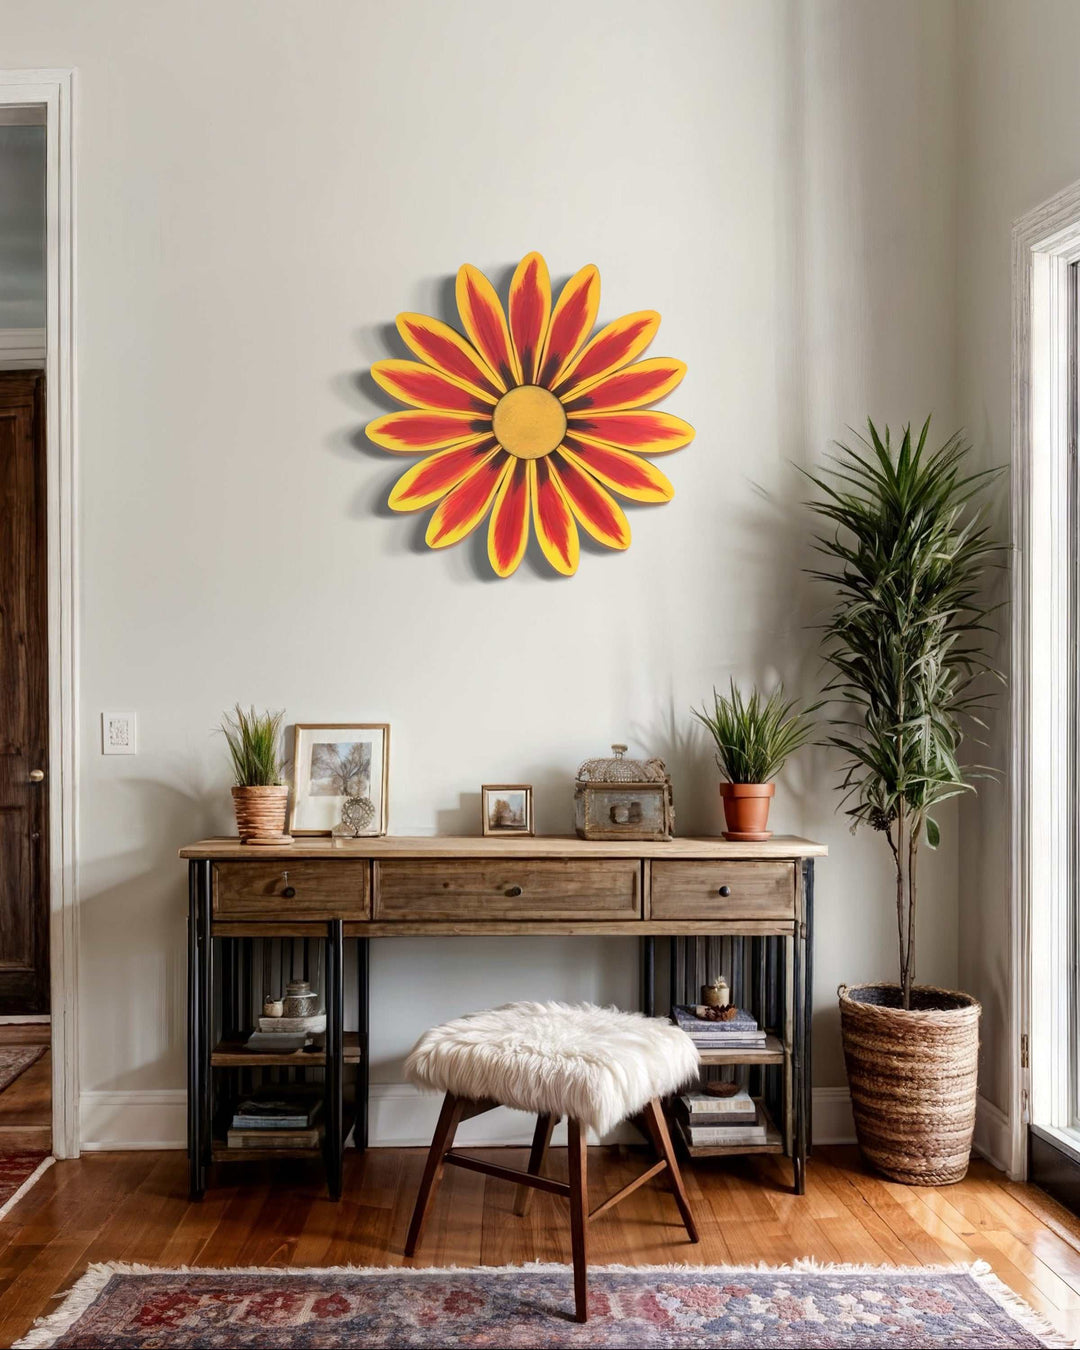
(908, 548)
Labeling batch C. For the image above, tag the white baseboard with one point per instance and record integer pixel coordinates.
(401, 1117)
(833, 1122)
(133, 1120)
(993, 1135)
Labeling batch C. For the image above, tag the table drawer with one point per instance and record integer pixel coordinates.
(723, 890)
(535, 889)
(255, 890)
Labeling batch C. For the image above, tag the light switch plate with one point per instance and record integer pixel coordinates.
(117, 733)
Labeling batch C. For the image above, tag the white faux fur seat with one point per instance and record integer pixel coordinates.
(596, 1065)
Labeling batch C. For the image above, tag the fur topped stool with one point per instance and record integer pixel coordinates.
(595, 1066)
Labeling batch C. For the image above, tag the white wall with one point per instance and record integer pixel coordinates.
(1019, 109)
(263, 186)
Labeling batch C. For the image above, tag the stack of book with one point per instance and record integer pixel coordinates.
(712, 1122)
(284, 1035)
(741, 1032)
(273, 1119)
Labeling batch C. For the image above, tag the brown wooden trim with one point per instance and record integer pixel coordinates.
(490, 1169)
(507, 928)
(449, 1119)
(541, 846)
(545, 1127)
(628, 1189)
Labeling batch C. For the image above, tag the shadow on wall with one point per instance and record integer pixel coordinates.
(133, 934)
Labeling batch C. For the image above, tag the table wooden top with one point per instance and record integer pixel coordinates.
(478, 846)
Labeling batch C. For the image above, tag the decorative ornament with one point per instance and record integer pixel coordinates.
(529, 418)
(357, 813)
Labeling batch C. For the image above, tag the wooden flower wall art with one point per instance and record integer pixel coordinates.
(529, 419)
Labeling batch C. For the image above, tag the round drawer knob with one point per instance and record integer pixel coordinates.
(725, 891)
(514, 891)
(289, 891)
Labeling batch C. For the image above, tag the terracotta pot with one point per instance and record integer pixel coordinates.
(260, 814)
(914, 1077)
(746, 809)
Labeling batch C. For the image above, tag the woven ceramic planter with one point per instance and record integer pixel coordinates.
(913, 1077)
(260, 814)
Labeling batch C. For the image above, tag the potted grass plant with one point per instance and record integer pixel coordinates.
(754, 737)
(260, 799)
(906, 551)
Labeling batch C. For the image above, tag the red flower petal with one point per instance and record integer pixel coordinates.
(422, 387)
(436, 343)
(436, 474)
(620, 342)
(554, 521)
(463, 508)
(508, 530)
(530, 309)
(425, 430)
(630, 387)
(571, 323)
(596, 509)
(485, 323)
(629, 474)
(650, 433)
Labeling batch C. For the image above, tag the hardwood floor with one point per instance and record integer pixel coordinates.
(134, 1207)
(26, 1108)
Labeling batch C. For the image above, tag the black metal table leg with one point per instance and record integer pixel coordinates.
(335, 1031)
(196, 1175)
(808, 989)
(363, 985)
(206, 1016)
(648, 976)
(798, 1008)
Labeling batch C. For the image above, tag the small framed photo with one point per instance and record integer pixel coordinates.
(333, 761)
(508, 808)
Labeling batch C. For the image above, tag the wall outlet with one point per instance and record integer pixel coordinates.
(117, 733)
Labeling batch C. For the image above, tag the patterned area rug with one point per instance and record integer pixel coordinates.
(18, 1172)
(511, 1306)
(16, 1059)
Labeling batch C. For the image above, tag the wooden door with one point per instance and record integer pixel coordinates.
(24, 698)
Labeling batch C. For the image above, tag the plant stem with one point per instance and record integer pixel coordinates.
(909, 964)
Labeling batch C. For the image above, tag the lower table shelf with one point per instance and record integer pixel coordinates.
(231, 1054)
(772, 1052)
(774, 1142)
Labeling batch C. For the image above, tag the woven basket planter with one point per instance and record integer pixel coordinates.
(260, 814)
(913, 1077)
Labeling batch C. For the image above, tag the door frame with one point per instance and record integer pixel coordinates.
(1046, 242)
(55, 90)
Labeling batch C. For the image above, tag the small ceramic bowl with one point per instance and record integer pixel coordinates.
(274, 1007)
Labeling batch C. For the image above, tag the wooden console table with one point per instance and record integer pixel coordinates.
(327, 892)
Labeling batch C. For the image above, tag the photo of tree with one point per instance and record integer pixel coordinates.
(341, 769)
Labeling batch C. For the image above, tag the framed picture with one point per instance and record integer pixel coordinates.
(333, 761)
(508, 808)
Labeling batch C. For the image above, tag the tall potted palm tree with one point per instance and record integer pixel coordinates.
(907, 549)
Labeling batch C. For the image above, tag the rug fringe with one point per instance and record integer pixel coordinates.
(47, 1330)
(1020, 1309)
(35, 1176)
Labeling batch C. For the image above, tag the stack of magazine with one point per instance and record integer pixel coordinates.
(274, 1119)
(711, 1122)
(287, 1035)
(740, 1033)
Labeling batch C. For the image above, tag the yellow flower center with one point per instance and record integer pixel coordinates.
(529, 422)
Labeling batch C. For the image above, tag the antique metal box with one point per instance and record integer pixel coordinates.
(619, 798)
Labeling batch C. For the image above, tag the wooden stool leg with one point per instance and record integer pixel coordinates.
(657, 1127)
(537, 1157)
(579, 1217)
(449, 1118)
